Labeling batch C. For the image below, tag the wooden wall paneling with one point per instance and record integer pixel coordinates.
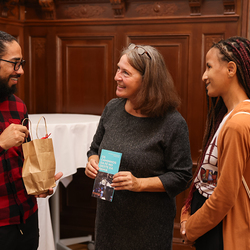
(248, 22)
(86, 66)
(18, 34)
(177, 8)
(40, 53)
(10, 9)
(16, 29)
(86, 9)
(195, 7)
(22, 82)
(38, 84)
(51, 60)
(35, 71)
(245, 30)
(244, 17)
(157, 8)
(48, 9)
(64, 9)
(118, 7)
(195, 93)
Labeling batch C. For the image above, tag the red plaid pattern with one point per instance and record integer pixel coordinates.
(15, 204)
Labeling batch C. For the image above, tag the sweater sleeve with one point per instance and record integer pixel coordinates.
(233, 148)
(177, 158)
(97, 139)
(100, 131)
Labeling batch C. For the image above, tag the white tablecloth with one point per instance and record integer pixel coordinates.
(72, 135)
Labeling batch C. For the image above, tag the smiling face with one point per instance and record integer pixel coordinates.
(128, 80)
(8, 76)
(216, 76)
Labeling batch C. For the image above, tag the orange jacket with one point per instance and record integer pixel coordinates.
(229, 201)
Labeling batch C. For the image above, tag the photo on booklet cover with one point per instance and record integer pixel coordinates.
(102, 187)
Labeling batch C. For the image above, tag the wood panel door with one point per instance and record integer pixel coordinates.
(85, 73)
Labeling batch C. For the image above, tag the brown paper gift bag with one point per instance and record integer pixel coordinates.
(39, 164)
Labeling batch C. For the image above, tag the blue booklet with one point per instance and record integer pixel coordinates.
(109, 164)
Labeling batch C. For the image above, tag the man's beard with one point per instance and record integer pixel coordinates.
(5, 90)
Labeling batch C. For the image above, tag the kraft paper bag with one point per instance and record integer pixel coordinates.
(39, 164)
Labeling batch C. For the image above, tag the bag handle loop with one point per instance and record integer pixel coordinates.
(30, 130)
(46, 135)
(30, 127)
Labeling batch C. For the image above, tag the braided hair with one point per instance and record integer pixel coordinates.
(236, 49)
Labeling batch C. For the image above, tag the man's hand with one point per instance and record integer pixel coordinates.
(50, 190)
(13, 135)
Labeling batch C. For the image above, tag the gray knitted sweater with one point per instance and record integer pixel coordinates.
(150, 147)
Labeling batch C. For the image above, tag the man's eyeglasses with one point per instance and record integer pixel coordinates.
(140, 50)
(17, 65)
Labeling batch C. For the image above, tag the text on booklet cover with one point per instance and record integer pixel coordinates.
(109, 161)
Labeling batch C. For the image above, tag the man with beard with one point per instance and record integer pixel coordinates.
(18, 210)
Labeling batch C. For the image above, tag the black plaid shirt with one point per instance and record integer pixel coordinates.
(15, 204)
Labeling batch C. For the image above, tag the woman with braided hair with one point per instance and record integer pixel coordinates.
(217, 212)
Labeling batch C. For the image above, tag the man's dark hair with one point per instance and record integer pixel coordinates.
(5, 38)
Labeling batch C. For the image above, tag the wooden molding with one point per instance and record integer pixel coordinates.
(195, 7)
(39, 46)
(83, 11)
(229, 7)
(118, 7)
(9, 8)
(134, 21)
(48, 9)
(157, 9)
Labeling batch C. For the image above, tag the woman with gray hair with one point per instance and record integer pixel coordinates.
(144, 125)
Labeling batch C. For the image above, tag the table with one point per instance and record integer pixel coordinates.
(72, 135)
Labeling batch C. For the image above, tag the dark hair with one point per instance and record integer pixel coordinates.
(5, 38)
(157, 93)
(236, 49)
